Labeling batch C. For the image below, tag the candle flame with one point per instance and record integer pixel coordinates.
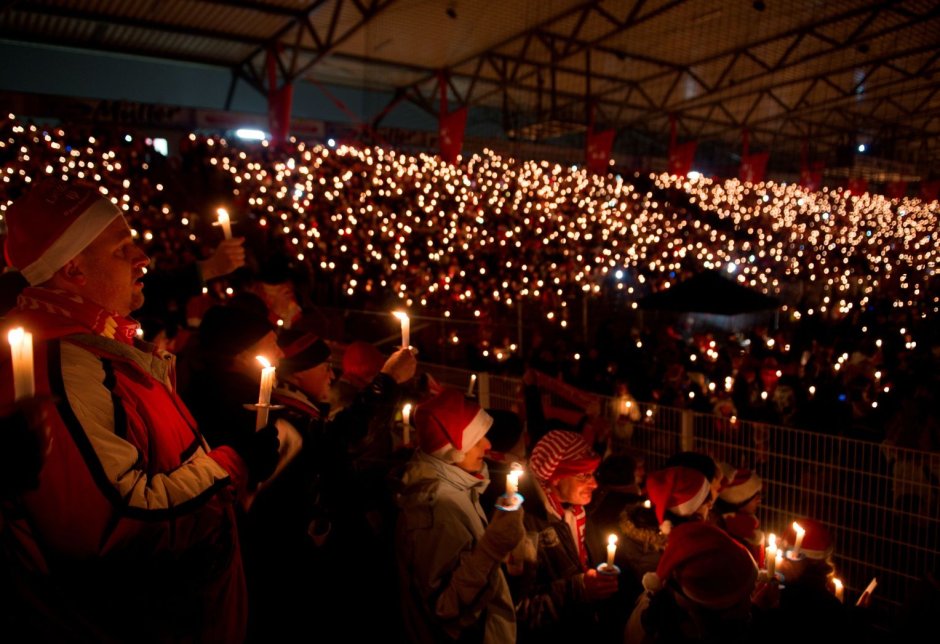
(647, 504)
(798, 529)
(401, 315)
(772, 540)
(406, 410)
(612, 540)
(15, 336)
(223, 215)
(264, 361)
(837, 583)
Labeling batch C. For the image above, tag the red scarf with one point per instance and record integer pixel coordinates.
(576, 523)
(84, 313)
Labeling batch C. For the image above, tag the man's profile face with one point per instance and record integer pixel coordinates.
(576, 489)
(113, 266)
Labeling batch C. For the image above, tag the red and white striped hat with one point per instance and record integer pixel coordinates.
(51, 224)
(449, 424)
(560, 454)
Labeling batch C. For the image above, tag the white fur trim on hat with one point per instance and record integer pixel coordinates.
(689, 507)
(84, 230)
(744, 486)
(472, 434)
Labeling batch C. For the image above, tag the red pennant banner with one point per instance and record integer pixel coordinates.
(753, 167)
(857, 187)
(680, 158)
(929, 190)
(811, 176)
(597, 154)
(279, 109)
(896, 189)
(450, 133)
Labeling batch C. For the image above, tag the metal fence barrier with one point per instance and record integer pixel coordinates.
(881, 503)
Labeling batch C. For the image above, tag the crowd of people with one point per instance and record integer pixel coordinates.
(152, 496)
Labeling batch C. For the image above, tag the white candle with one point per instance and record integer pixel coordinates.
(770, 555)
(512, 479)
(473, 381)
(647, 504)
(264, 393)
(840, 590)
(800, 532)
(405, 328)
(21, 351)
(225, 222)
(406, 424)
(611, 550)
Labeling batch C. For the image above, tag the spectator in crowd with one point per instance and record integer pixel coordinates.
(679, 495)
(131, 527)
(736, 511)
(557, 595)
(449, 555)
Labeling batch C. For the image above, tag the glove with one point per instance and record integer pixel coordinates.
(502, 535)
(259, 450)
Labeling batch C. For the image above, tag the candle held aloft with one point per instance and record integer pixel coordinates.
(473, 381)
(405, 328)
(406, 424)
(611, 550)
(225, 222)
(21, 351)
(264, 392)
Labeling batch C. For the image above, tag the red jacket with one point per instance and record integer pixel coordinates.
(131, 533)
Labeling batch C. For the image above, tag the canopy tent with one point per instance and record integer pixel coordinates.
(712, 300)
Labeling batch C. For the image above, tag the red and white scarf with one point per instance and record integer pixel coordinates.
(574, 517)
(84, 313)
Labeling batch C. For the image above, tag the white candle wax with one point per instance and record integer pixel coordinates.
(512, 481)
(406, 424)
(770, 554)
(800, 532)
(21, 352)
(264, 392)
(839, 589)
(473, 381)
(405, 328)
(225, 222)
(611, 550)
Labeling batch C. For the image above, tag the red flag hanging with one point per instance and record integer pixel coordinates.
(896, 189)
(753, 167)
(597, 153)
(811, 175)
(279, 108)
(680, 158)
(857, 187)
(929, 190)
(451, 132)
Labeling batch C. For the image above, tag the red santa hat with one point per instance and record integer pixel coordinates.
(362, 362)
(817, 542)
(680, 490)
(51, 224)
(450, 424)
(744, 486)
(560, 454)
(708, 567)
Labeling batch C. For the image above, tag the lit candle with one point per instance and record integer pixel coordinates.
(770, 555)
(839, 589)
(647, 504)
(800, 532)
(473, 381)
(21, 351)
(611, 550)
(512, 479)
(264, 393)
(225, 222)
(406, 424)
(405, 328)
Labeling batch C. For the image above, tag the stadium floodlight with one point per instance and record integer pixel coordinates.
(250, 134)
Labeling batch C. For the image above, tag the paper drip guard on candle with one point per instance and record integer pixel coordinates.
(604, 569)
(508, 503)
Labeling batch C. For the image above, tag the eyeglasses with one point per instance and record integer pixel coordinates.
(584, 477)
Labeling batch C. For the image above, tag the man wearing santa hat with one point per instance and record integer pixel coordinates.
(449, 555)
(131, 528)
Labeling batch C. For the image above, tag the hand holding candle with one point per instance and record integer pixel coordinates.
(224, 222)
(21, 351)
(264, 393)
(405, 328)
